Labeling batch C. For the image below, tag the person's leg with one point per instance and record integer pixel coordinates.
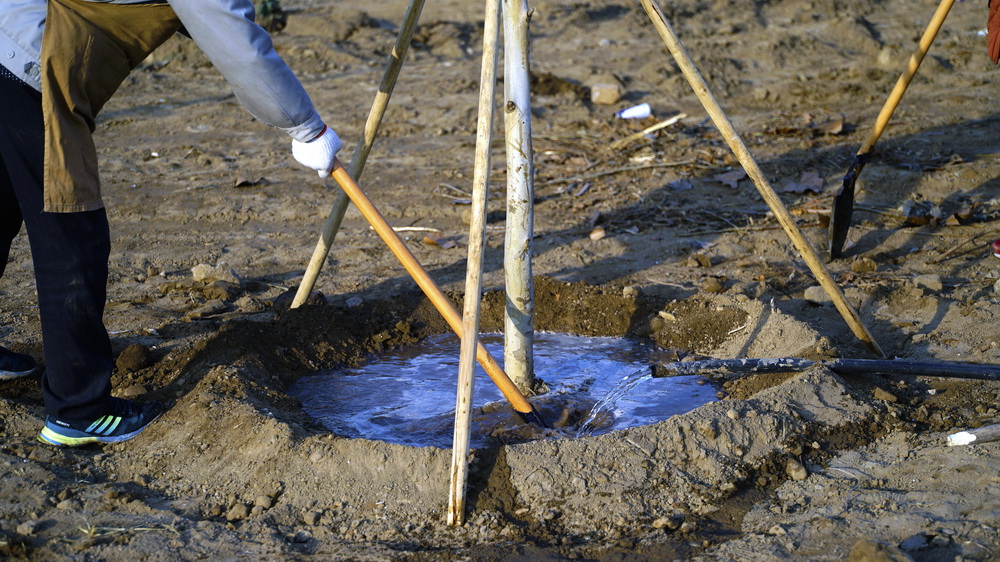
(12, 365)
(70, 255)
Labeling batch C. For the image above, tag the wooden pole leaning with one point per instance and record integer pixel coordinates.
(735, 143)
(519, 313)
(433, 292)
(474, 267)
(364, 147)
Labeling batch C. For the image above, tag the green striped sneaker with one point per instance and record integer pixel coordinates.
(127, 420)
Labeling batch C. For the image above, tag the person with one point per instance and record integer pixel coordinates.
(60, 62)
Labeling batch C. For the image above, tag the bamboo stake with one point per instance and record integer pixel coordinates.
(474, 268)
(519, 314)
(433, 292)
(336, 216)
(735, 143)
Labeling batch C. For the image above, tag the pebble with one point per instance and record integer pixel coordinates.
(712, 285)
(134, 358)
(263, 501)
(816, 295)
(133, 391)
(661, 522)
(220, 272)
(239, 511)
(884, 395)
(777, 530)
(867, 550)
(795, 470)
(311, 518)
(27, 528)
(69, 505)
(732, 414)
(605, 93)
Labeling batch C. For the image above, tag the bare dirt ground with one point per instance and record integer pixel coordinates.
(810, 466)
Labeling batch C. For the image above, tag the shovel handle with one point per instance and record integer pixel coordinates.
(430, 288)
(909, 72)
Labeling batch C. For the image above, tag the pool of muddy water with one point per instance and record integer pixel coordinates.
(407, 395)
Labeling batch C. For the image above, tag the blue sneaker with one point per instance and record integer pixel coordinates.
(15, 365)
(127, 420)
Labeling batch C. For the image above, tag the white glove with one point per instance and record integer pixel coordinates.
(318, 153)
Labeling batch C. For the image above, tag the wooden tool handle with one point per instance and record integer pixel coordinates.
(424, 281)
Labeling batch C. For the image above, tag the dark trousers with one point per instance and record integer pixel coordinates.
(70, 254)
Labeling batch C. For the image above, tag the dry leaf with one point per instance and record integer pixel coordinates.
(732, 178)
(810, 181)
(242, 181)
(442, 242)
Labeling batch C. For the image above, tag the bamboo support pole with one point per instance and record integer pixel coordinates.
(433, 292)
(474, 268)
(736, 144)
(519, 314)
(336, 216)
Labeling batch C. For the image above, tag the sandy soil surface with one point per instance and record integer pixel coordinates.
(807, 465)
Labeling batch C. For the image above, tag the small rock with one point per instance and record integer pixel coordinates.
(605, 93)
(263, 501)
(238, 512)
(795, 470)
(777, 531)
(887, 58)
(134, 358)
(69, 505)
(699, 260)
(42, 454)
(257, 510)
(311, 518)
(732, 414)
(712, 285)
(816, 295)
(884, 395)
(221, 272)
(707, 428)
(354, 301)
(27, 528)
(133, 391)
(661, 523)
(868, 550)
(301, 537)
(630, 292)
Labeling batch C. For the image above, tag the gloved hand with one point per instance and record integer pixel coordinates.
(318, 153)
(993, 31)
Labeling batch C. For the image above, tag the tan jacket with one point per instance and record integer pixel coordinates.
(121, 31)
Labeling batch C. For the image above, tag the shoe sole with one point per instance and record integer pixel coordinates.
(50, 437)
(11, 375)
